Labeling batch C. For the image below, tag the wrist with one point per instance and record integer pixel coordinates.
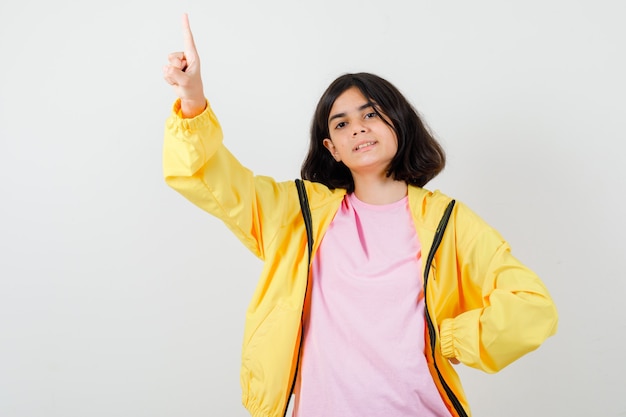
(190, 108)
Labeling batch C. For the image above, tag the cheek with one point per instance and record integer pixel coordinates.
(337, 141)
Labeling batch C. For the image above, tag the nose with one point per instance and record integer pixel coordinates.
(357, 130)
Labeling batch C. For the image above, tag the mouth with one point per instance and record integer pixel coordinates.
(363, 145)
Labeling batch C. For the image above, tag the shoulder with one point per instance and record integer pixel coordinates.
(320, 195)
(429, 207)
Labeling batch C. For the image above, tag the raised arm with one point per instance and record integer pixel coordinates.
(197, 164)
(183, 73)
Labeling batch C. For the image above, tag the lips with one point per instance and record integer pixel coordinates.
(363, 145)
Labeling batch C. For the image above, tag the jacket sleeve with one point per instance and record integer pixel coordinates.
(506, 310)
(198, 166)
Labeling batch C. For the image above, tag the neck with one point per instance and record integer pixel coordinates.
(379, 190)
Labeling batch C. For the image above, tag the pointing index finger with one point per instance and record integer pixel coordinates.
(190, 46)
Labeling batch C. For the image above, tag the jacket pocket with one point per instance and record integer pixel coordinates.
(267, 358)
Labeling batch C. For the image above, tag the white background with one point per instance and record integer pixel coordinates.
(120, 298)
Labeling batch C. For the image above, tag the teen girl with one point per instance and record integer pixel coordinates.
(371, 324)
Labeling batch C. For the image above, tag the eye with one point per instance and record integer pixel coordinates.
(370, 115)
(340, 125)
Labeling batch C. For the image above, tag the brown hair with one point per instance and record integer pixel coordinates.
(419, 157)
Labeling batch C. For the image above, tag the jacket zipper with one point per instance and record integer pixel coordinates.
(441, 228)
(295, 377)
(308, 223)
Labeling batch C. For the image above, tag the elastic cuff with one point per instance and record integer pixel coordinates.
(447, 339)
(176, 119)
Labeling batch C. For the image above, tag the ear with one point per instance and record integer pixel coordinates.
(328, 144)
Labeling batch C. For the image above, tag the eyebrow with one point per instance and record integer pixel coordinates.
(363, 107)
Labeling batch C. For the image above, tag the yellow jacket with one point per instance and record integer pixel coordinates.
(484, 308)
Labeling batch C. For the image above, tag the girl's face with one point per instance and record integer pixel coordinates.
(359, 137)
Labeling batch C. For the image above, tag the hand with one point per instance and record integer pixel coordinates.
(183, 72)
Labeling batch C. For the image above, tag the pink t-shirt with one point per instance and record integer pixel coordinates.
(363, 351)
